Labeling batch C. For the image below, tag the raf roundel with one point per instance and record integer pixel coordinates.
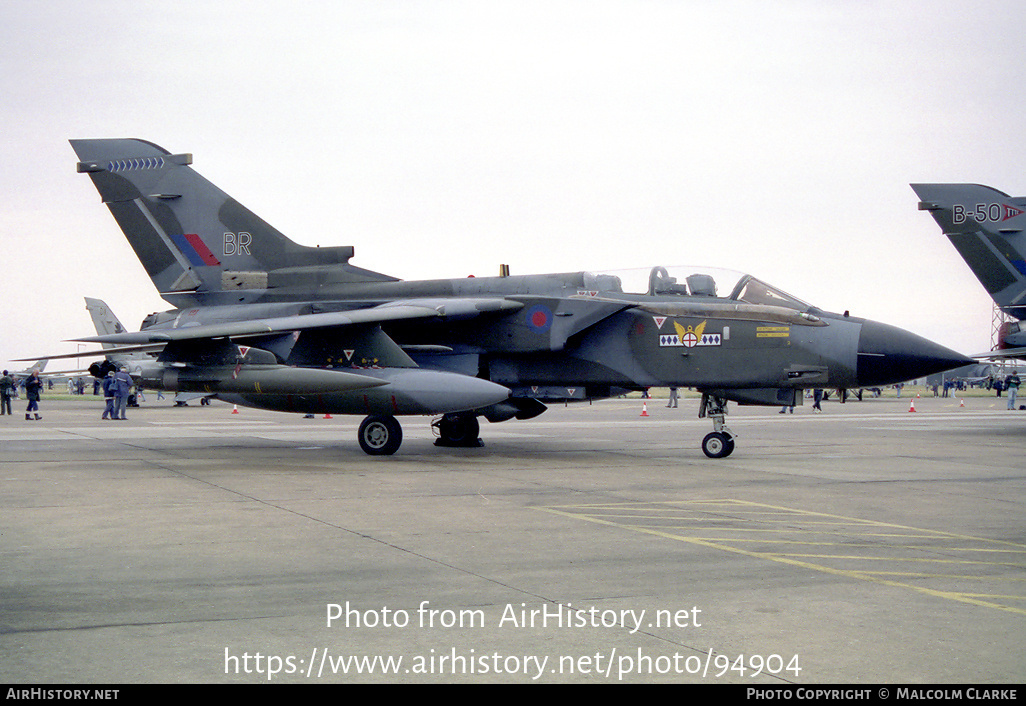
(539, 318)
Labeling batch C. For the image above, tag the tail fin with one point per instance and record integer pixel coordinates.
(103, 319)
(986, 227)
(199, 245)
(107, 323)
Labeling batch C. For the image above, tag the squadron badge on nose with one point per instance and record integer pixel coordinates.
(690, 336)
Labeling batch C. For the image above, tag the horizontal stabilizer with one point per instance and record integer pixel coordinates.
(1002, 354)
(147, 348)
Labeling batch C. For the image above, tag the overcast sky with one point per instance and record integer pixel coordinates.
(444, 138)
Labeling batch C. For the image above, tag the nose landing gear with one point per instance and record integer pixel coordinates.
(719, 443)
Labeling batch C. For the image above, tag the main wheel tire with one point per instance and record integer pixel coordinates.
(718, 445)
(380, 435)
(459, 430)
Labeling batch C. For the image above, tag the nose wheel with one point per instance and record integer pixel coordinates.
(719, 443)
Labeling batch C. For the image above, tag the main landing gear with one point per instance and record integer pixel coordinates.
(458, 430)
(719, 443)
(380, 435)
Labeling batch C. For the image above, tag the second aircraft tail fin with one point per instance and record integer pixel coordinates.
(104, 319)
(986, 227)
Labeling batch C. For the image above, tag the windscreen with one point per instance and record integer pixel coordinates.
(755, 291)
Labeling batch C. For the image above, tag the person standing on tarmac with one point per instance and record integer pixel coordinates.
(1012, 385)
(6, 387)
(817, 397)
(33, 387)
(110, 387)
(123, 388)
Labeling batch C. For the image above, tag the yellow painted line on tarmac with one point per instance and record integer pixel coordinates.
(623, 516)
(854, 557)
(960, 577)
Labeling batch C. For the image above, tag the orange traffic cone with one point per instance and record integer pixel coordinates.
(961, 403)
(912, 406)
(235, 409)
(327, 416)
(644, 409)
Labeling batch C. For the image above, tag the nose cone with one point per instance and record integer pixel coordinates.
(888, 354)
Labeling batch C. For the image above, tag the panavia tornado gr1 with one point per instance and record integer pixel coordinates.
(264, 322)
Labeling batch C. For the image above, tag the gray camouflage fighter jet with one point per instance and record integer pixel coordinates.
(986, 227)
(262, 321)
(106, 322)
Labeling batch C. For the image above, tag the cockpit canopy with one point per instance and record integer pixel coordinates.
(672, 282)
